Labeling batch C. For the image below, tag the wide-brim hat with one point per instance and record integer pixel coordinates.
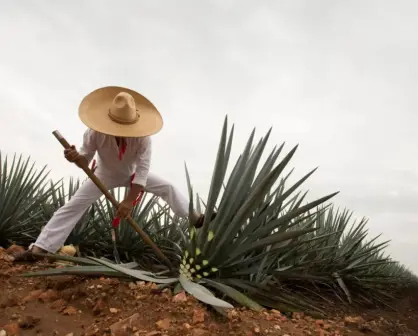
(120, 111)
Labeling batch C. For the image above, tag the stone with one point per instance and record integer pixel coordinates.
(200, 332)
(92, 330)
(270, 317)
(180, 297)
(124, 327)
(58, 305)
(154, 285)
(353, 321)
(99, 307)
(49, 296)
(34, 295)
(14, 249)
(198, 316)
(28, 322)
(232, 313)
(89, 303)
(163, 324)
(12, 329)
(70, 310)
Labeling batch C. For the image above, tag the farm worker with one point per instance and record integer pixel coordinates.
(120, 123)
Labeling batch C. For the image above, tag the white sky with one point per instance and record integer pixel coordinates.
(338, 77)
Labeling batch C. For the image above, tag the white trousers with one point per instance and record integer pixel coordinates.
(56, 231)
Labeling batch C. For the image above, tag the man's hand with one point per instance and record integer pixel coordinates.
(124, 209)
(71, 154)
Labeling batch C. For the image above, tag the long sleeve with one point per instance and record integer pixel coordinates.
(89, 146)
(143, 162)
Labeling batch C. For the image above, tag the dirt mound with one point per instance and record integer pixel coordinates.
(76, 306)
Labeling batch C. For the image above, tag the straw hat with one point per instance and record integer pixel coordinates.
(119, 111)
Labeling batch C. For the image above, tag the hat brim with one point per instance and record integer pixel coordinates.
(94, 113)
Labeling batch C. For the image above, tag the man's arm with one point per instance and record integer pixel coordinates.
(140, 179)
(133, 193)
(142, 168)
(88, 148)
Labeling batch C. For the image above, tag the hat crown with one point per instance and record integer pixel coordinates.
(120, 111)
(123, 109)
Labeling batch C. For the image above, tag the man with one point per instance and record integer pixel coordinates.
(120, 122)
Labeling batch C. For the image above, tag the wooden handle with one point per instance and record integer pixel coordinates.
(61, 139)
(115, 203)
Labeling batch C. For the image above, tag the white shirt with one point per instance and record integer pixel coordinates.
(135, 160)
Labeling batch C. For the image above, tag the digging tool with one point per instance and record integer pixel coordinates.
(115, 224)
(115, 203)
(115, 249)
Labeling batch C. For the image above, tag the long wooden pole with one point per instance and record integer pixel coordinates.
(115, 203)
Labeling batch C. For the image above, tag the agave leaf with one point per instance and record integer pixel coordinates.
(292, 214)
(232, 195)
(296, 185)
(364, 256)
(190, 188)
(177, 288)
(220, 310)
(141, 275)
(217, 179)
(269, 164)
(75, 260)
(23, 194)
(272, 239)
(78, 270)
(252, 200)
(234, 294)
(130, 265)
(191, 246)
(343, 286)
(201, 294)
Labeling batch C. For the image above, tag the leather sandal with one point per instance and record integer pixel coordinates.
(26, 256)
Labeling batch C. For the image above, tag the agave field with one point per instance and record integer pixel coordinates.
(268, 245)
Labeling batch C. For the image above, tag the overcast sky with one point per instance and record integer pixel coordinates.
(338, 77)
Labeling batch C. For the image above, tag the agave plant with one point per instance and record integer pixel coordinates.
(343, 264)
(153, 218)
(23, 192)
(251, 238)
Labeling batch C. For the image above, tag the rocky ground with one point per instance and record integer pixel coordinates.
(72, 306)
